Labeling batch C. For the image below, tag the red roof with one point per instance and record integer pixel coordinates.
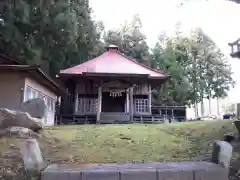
(113, 62)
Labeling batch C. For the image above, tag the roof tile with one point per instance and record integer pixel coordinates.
(113, 62)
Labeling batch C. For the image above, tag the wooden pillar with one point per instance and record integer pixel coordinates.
(99, 109)
(166, 113)
(127, 101)
(150, 102)
(131, 102)
(76, 101)
(172, 113)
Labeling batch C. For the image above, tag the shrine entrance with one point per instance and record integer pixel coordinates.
(114, 97)
(113, 102)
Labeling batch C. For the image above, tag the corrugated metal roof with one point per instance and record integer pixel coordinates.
(113, 62)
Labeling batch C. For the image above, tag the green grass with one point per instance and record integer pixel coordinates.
(136, 142)
(118, 144)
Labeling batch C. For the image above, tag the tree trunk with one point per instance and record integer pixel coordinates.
(209, 107)
(202, 103)
(209, 101)
(195, 110)
(194, 84)
(202, 108)
(218, 112)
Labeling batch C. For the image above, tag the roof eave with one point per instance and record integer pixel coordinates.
(11, 59)
(57, 86)
(234, 42)
(114, 74)
(58, 89)
(160, 77)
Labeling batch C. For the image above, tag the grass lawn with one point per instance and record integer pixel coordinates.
(135, 142)
(121, 143)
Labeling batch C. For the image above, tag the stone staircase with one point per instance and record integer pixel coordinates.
(110, 118)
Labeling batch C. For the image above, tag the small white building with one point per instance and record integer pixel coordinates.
(19, 83)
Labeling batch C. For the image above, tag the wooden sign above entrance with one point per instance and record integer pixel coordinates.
(115, 84)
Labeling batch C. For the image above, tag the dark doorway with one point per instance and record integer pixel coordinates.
(113, 104)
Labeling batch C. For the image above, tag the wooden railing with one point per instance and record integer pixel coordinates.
(91, 119)
(86, 105)
(147, 119)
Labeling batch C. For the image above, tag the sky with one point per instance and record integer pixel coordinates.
(217, 18)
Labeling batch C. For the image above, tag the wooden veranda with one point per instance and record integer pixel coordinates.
(111, 88)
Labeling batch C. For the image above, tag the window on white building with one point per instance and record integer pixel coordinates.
(31, 93)
(28, 93)
(141, 106)
(34, 94)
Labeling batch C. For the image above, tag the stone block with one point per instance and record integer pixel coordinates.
(215, 152)
(37, 108)
(144, 171)
(10, 118)
(57, 175)
(175, 174)
(74, 175)
(238, 111)
(237, 125)
(222, 153)
(54, 172)
(32, 155)
(19, 132)
(100, 175)
(211, 174)
(139, 174)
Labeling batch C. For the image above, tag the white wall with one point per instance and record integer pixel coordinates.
(49, 121)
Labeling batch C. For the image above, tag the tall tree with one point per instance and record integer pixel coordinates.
(198, 68)
(57, 33)
(171, 55)
(130, 40)
(215, 75)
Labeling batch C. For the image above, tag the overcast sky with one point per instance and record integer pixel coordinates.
(218, 18)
